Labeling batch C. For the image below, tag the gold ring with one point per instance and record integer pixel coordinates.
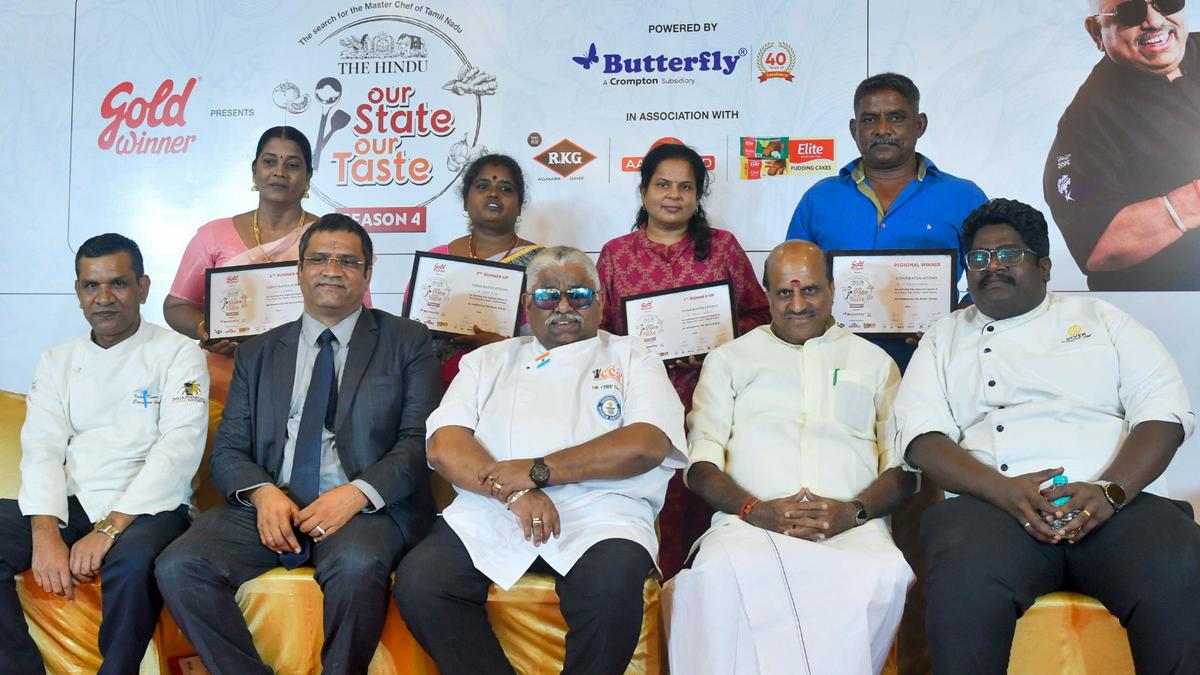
(497, 486)
(491, 479)
(537, 521)
(1087, 513)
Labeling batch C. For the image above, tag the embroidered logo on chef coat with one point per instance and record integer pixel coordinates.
(1076, 332)
(189, 392)
(609, 373)
(142, 397)
(609, 408)
(541, 360)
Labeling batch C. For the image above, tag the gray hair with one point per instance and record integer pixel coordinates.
(554, 256)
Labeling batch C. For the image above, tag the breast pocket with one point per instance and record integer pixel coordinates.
(853, 400)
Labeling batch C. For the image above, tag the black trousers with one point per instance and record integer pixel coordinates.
(985, 571)
(201, 571)
(130, 602)
(442, 598)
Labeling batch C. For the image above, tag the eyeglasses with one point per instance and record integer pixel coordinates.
(1133, 12)
(980, 258)
(346, 262)
(579, 297)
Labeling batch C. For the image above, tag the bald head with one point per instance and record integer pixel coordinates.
(792, 250)
(799, 290)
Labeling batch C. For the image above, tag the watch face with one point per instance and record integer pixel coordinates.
(539, 473)
(1115, 492)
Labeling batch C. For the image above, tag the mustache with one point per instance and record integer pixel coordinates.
(998, 276)
(806, 314)
(563, 316)
(883, 140)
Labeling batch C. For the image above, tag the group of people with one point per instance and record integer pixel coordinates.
(760, 481)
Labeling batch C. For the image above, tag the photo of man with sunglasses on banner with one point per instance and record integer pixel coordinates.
(560, 446)
(1122, 175)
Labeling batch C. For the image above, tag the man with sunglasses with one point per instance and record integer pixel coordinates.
(1123, 176)
(560, 446)
(1025, 386)
(321, 457)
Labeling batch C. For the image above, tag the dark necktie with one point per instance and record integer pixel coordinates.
(320, 404)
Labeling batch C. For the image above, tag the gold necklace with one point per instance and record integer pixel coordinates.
(258, 234)
(471, 246)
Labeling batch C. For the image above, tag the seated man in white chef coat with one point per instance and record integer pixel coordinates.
(114, 431)
(790, 440)
(560, 446)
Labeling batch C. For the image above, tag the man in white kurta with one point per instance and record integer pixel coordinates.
(790, 441)
(1024, 386)
(114, 430)
(560, 447)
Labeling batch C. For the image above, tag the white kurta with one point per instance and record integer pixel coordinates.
(1060, 385)
(523, 401)
(778, 417)
(122, 429)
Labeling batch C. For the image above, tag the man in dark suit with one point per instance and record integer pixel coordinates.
(321, 456)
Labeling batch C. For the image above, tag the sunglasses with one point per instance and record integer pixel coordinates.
(979, 259)
(1133, 12)
(579, 297)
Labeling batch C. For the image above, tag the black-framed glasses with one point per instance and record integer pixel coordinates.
(346, 262)
(1133, 12)
(979, 259)
(579, 297)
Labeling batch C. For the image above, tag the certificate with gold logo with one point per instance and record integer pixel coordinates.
(452, 295)
(892, 293)
(247, 300)
(683, 322)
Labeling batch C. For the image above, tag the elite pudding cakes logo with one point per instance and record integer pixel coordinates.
(654, 69)
(397, 103)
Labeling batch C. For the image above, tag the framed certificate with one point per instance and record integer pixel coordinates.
(452, 295)
(247, 300)
(683, 322)
(892, 293)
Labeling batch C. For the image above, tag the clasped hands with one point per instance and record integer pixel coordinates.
(804, 515)
(534, 510)
(279, 517)
(1023, 498)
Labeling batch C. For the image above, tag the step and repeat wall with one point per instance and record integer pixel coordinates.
(142, 116)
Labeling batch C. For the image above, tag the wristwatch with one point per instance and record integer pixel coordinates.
(1114, 492)
(860, 513)
(539, 473)
(106, 527)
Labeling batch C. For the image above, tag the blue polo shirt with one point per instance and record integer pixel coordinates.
(842, 213)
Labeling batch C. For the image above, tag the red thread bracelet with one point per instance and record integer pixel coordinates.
(748, 506)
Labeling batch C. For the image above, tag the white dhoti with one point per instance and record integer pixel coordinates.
(759, 602)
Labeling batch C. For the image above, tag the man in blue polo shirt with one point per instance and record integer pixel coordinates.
(891, 197)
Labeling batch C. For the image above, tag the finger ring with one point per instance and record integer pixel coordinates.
(320, 530)
(1087, 513)
(491, 479)
(1027, 525)
(498, 486)
(537, 520)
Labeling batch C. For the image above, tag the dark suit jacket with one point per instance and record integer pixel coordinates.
(389, 385)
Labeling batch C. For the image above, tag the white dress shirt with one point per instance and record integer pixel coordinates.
(332, 475)
(523, 401)
(1060, 385)
(122, 429)
(777, 417)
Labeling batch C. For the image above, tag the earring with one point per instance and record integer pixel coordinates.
(470, 225)
(253, 186)
(306, 192)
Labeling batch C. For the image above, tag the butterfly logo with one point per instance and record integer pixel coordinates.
(588, 59)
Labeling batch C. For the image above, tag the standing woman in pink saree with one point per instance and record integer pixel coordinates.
(280, 172)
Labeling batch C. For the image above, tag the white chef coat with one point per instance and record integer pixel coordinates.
(122, 429)
(523, 401)
(1060, 385)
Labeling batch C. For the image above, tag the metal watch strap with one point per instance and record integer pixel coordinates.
(105, 526)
